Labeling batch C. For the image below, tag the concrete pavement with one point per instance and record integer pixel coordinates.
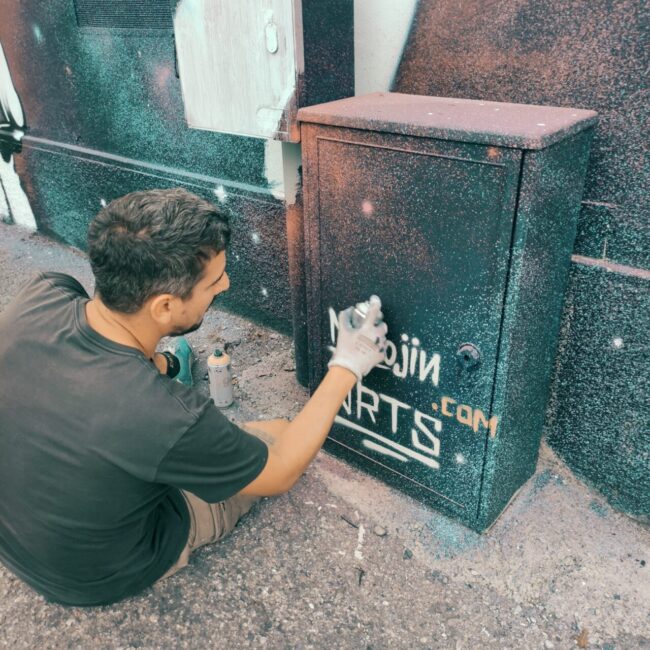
(343, 561)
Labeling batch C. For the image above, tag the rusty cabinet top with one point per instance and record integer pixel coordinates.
(522, 126)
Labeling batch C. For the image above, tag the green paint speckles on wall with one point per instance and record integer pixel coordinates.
(116, 91)
(106, 117)
(598, 418)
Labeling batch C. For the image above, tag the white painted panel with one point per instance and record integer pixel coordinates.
(14, 204)
(238, 63)
(381, 28)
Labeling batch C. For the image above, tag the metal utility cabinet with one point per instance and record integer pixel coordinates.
(461, 216)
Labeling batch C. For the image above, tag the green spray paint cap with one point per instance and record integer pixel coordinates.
(218, 353)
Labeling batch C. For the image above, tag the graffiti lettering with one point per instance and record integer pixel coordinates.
(413, 361)
(474, 418)
(363, 407)
(366, 405)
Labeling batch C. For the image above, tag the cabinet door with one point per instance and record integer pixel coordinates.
(239, 64)
(427, 226)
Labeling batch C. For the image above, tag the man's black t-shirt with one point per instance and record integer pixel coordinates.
(94, 446)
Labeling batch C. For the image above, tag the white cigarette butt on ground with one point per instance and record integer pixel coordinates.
(357, 553)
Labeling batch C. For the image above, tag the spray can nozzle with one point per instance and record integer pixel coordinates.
(359, 313)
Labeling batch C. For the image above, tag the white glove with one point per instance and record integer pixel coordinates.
(361, 348)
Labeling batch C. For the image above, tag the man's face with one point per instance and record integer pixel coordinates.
(213, 282)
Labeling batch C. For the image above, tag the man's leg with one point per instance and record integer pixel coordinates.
(214, 521)
(211, 522)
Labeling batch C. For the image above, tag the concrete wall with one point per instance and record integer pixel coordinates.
(381, 28)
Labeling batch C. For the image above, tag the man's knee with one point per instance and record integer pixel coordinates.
(232, 511)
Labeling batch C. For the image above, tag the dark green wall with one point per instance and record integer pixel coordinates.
(105, 117)
(598, 414)
(114, 91)
(584, 54)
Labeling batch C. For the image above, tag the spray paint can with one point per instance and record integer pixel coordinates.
(220, 376)
(358, 314)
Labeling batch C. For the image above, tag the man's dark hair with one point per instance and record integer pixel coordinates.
(148, 243)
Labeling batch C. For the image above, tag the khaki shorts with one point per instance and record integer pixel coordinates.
(209, 523)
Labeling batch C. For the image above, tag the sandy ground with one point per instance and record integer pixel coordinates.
(343, 561)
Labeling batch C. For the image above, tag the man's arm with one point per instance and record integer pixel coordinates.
(267, 430)
(291, 452)
(358, 350)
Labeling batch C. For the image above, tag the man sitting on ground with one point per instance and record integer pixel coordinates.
(111, 472)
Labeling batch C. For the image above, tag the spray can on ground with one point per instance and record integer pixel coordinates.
(220, 376)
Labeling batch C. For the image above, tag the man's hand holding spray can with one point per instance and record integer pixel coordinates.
(360, 347)
(361, 340)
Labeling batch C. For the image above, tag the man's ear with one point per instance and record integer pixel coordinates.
(161, 308)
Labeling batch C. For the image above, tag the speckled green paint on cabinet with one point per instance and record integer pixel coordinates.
(548, 206)
(466, 236)
(586, 54)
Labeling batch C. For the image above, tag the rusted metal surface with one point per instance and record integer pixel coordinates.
(467, 241)
(464, 120)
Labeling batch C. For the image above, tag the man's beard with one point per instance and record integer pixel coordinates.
(182, 332)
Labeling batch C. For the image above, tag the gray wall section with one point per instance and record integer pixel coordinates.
(586, 55)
